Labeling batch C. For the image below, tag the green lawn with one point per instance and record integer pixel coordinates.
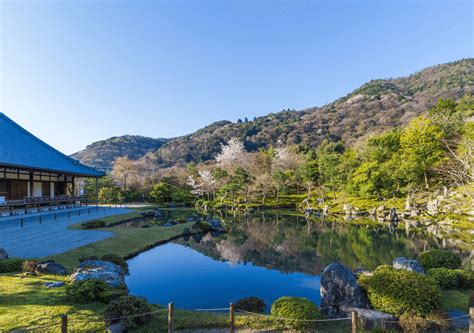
(126, 242)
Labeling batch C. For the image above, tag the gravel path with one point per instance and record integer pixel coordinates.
(37, 240)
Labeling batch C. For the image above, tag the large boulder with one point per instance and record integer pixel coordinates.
(3, 254)
(340, 291)
(368, 319)
(50, 267)
(407, 264)
(251, 304)
(101, 270)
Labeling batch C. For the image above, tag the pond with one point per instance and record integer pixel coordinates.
(268, 255)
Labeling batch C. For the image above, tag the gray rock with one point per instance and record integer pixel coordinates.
(50, 267)
(432, 207)
(3, 254)
(371, 319)
(54, 284)
(340, 291)
(361, 271)
(408, 264)
(168, 224)
(393, 216)
(116, 328)
(101, 270)
(158, 213)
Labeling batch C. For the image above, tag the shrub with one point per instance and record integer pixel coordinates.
(435, 322)
(439, 259)
(397, 291)
(93, 224)
(444, 277)
(118, 260)
(29, 265)
(466, 279)
(252, 304)
(295, 308)
(128, 306)
(91, 290)
(202, 226)
(11, 265)
(382, 268)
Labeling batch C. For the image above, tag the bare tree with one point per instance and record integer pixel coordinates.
(122, 169)
(286, 159)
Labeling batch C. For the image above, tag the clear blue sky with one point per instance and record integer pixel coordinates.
(74, 72)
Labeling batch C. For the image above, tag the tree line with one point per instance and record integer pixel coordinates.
(433, 150)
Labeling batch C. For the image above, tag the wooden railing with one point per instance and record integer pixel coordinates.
(42, 204)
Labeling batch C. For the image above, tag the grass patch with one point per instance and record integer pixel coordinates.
(455, 299)
(126, 243)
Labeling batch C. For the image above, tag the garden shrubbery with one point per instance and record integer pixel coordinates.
(295, 308)
(466, 279)
(397, 291)
(439, 259)
(435, 322)
(29, 265)
(93, 224)
(252, 304)
(128, 306)
(92, 290)
(444, 277)
(11, 265)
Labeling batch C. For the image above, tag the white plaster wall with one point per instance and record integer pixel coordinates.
(37, 189)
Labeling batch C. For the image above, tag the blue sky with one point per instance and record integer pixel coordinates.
(74, 72)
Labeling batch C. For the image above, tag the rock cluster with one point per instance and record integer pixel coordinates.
(50, 267)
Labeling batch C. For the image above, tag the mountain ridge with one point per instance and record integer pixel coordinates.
(375, 106)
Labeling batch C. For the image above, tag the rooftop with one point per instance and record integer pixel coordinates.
(21, 149)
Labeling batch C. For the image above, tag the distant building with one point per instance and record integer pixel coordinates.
(30, 168)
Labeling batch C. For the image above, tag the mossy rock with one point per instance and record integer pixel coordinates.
(251, 304)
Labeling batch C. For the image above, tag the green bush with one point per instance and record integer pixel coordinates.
(444, 277)
(202, 226)
(435, 322)
(398, 291)
(251, 304)
(466, 278)
(29, 265)
(118, 260)
(383, 268)
(93, 290)
(128, 306)
(296, 308)
(11, 265)
(439, 259)
(93, 224)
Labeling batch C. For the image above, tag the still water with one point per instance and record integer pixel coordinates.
(267, 255)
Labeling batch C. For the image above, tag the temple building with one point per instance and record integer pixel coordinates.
(33, 171)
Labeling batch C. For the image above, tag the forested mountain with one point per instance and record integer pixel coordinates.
(374, 107)
(102, 154)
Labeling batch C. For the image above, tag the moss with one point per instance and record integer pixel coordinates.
(455, 300)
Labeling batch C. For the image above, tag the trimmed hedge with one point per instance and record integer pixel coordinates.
(93, 224)
(444, 277)
(11, 265)
(439, 259)
(398, 291)
(295, 308)
(466, 279)
(128, 306)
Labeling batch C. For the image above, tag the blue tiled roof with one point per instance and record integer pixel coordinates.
(20, 148)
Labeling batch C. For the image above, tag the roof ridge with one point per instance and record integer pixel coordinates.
(49, 147)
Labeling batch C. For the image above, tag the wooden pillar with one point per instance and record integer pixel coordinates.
(97, 191)
(232, 319)
(64, 324)
(31, 185)
(170, 317)
(471, 320)
(73, 186)
(354, 321)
